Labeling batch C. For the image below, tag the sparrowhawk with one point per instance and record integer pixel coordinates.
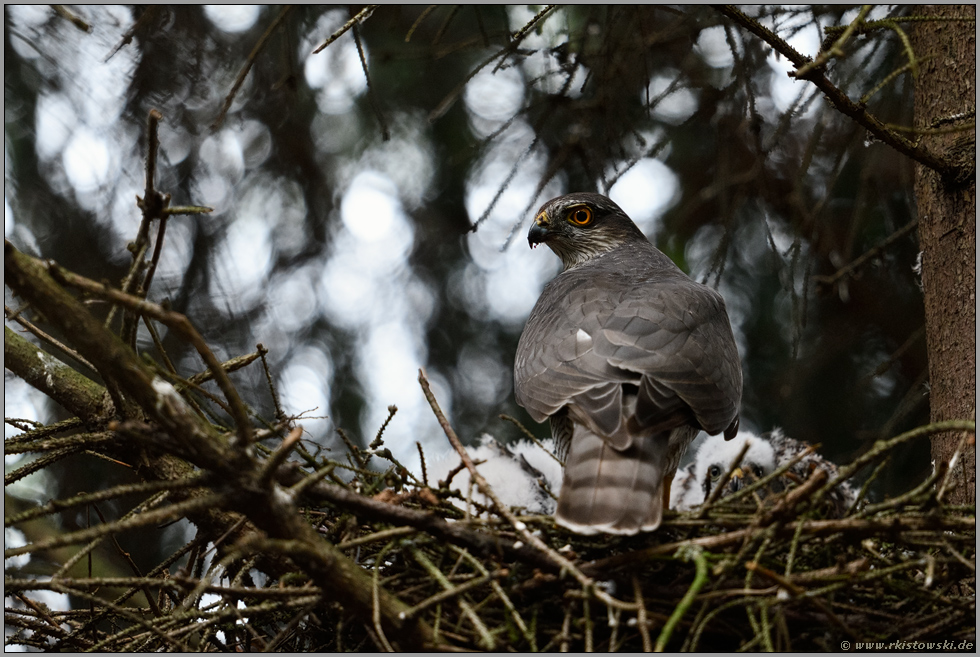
(695, 483)
(628, 357)
(766, 453)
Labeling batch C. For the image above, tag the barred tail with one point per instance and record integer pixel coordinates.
(613, 491)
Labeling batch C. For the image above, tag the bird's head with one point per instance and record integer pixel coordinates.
(581, 226)
(716, 455)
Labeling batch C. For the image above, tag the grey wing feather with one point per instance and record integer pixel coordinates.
(677, 339)
(556, 359)
(581, 344)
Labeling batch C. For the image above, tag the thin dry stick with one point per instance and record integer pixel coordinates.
(296, 490)
(39, 464)
(641, 615)
(55, 506)
(392, 409)
(127, 557)
(279, 456)
(42, 612)
(589, 625)
(180, 385)
(75, 440)
(262, 351)
(361, 16)
(187, 209)
(514, 614)
(532, 438)
(372, 96)
(882, 446)
(151, 269)
(499, 591)
(158, 343)
(131, 32)
(856, 264)
(425, 475)
(418, 21)
(150, 204)
(260, 44)
(924, 489)
(173, 583)
(449, 594)
(932, 131)
(840, 100)
(614, 615)
(353, 451)
(896, 355)
(485, 637)
(291, 626)
(87, 550)
(514, 169)
(445, 24)
(566, 626)
(959, 557)
(180, 325)
(230, 365)
(520, 34)
(890, 77)
(72, 18)
(451, 97)
(837, 50)
(195, 594)
(521, 528)
(394, 532)
(149, 518)
(375, 606)
(152, 575)
(44, 336)
(132, 616)
(810, 528)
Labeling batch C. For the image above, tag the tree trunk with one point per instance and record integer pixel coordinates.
(945, 88)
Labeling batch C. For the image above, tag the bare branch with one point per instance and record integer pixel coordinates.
(839, 99)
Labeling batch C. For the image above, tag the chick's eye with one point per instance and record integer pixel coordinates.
(580, 216)
(757, 471)
(714, 471)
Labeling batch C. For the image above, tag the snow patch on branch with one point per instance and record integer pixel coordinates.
(167, 396)
(521, 474)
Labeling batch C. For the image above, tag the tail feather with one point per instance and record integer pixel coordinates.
(611, 490)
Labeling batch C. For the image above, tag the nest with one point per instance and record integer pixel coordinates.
(753, 571)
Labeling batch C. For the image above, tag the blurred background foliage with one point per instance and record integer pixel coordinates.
(371, 200)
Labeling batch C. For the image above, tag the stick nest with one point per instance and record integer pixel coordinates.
(746, 572)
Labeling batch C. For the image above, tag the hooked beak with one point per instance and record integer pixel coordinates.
(737, 481)
(539, 230)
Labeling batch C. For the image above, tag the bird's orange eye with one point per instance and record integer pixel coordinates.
(580, 216)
